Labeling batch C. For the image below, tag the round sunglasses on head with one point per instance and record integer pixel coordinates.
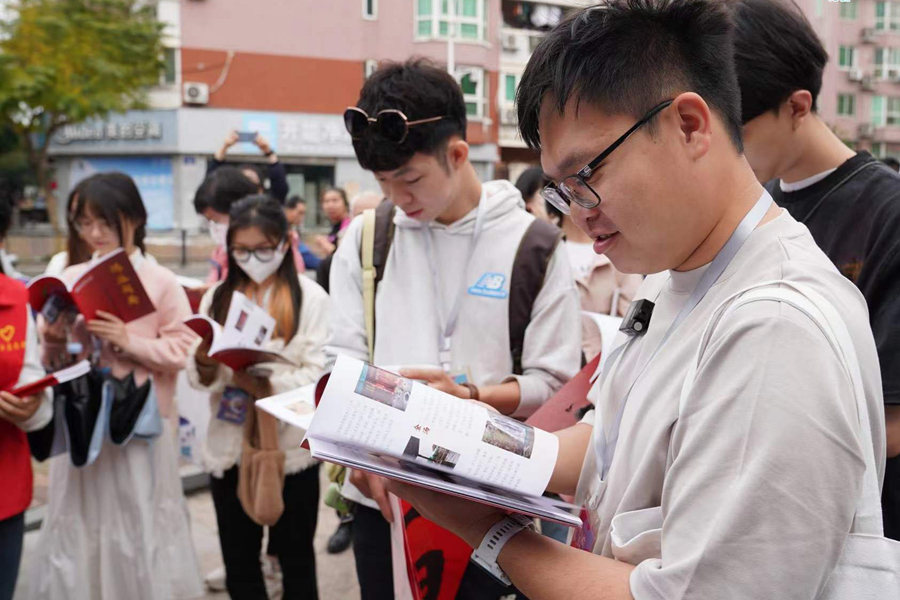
(392, 124)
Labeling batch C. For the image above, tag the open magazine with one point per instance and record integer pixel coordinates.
(110, 285)
(373, 420)
(239, 343)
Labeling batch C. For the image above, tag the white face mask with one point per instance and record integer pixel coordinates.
(218, 232)
(258, 270)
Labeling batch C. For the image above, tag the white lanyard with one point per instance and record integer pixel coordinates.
(446, 328)
(606, 449)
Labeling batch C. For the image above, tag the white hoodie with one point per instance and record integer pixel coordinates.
(406, 321)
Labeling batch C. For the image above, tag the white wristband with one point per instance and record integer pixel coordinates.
(485, 556)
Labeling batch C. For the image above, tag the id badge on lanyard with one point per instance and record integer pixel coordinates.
(448, 326)
(604, 447)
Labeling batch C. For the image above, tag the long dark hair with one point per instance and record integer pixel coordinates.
(77, 249)
(113, 197)
(267, 214)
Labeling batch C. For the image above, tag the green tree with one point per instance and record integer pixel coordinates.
(66, 61)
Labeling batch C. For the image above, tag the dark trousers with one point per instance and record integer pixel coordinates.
(291, 537)
(12, 531)
(372, 551)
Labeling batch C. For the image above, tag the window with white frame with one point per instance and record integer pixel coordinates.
(433, 19)
(369, 68)
(473, 81)
(846, 105)
(370, 9)
(169, 74)
(887, 62)
(887, 16)
(848, 10)
(885, 111)
(846, 57)
(509, 85)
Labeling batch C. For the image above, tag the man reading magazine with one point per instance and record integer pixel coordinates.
(734, 440)
(444, 298)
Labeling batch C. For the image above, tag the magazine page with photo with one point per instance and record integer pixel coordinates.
(375, 420)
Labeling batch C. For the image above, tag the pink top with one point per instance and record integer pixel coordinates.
(218, 268)
(157, 344)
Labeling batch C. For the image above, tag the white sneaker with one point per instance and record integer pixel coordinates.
(215, 580)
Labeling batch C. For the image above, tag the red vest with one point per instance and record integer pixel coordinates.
(15, 457)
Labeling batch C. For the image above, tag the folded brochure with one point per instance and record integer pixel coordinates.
(111, 284)
(373, 420)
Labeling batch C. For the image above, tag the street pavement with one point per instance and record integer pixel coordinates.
(336, 574)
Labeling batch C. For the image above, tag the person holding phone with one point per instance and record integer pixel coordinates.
(119, 527)
(274, 170)
(19, 365)
(260, 267)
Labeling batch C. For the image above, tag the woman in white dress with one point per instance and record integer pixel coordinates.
(119, 528)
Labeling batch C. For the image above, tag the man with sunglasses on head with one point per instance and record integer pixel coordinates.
(849, 200)
(447, 287)
(738, 436)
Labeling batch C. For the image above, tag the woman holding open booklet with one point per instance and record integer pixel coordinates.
(260, 475)
(117, 524)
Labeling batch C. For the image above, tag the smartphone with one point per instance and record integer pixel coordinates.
(247, 136)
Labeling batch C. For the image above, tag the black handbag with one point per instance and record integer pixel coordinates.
(82, 405)
(127, 408)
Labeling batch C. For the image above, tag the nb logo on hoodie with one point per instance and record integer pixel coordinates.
(490, 285)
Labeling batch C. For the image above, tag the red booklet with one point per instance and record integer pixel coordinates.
(61, 376)
(110, 285)
(561, 411)
(231, 350)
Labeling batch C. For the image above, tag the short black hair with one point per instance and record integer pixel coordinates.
(6, 213)
(530, 181)
(340, 191)
(222, 188)
(776, 52)
(627, 56)
(420, 90)
(294, 201)
(888, 160)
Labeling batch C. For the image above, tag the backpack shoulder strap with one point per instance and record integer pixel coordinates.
(529, 270)
(377, 235)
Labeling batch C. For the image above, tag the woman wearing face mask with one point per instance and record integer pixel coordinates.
(119, 527)
(213, 200)
(260, 267)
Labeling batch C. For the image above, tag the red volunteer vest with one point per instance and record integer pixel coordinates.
(15, 457)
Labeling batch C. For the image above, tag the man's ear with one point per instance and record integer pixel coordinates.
(694, 121)
(457, 152)
(800, 105)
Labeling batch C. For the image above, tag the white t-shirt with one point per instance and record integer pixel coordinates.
(758, 476)
(581, 257)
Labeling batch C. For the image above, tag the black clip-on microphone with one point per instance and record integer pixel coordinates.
(637, 319)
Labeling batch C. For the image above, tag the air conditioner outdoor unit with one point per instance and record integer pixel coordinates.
(508, 116)
(868, 35)
(855, 74)
(866, 130)
(868, 84)
(510, 42)
(195, 93)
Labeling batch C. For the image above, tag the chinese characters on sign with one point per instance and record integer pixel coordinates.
(85, 132)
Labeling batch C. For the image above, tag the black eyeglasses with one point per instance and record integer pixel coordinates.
(575, 188)
(392, 124)
(264, 254)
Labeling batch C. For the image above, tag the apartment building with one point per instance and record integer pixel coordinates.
(286, 69)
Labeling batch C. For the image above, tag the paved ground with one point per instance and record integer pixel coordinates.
(336, 574)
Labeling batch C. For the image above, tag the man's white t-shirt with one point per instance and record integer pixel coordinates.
(759, 474)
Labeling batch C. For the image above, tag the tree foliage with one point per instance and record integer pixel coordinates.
(65, 61)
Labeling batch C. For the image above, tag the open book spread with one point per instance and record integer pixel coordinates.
(61, 376)
(240, 343)
(373, 420)
(110, 285)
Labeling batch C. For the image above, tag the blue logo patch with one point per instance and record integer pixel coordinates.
(490, 285)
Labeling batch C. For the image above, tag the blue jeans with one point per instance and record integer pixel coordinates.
(12, 532)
